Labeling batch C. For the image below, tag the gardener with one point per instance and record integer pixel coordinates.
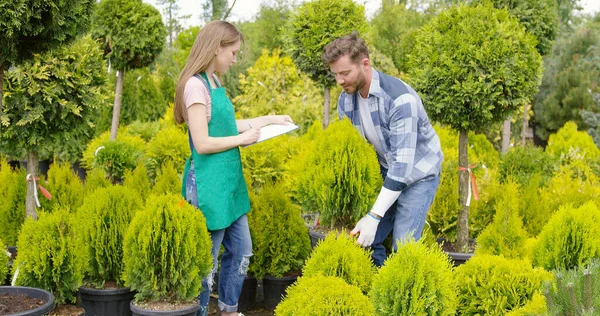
(391, 117)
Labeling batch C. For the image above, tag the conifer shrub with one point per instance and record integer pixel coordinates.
(265, 162)
(138, 180)
(523, 162)
(95, 179)
(324, 296)
(106, 215)
(51, 255)
(4, 262)
(13, 190)
(337, 175)
(168, 145)
(167, 180)
(340, 256)
(535, 307)
(494, 285)
(145, 130)
(570, 239)
(280, 239)
(568, 140)
(417, 280)
(65, 186)
(116, 156)
(167, 250)
(575, 291)
(505, 236)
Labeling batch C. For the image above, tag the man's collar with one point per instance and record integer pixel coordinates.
(375, 88)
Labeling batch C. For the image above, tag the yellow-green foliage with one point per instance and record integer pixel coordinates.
(574, 291)
(167, 180)
(13, 190)
(95, 179)
(571, 238)
(274, 86)
(145, 130)
(3, 262)
(265, 162)
(116, 156)
(340, 256)
(494, 285)
(324, 296)
(337, 175)
(535, 307)
(568, 142)
(138, 180)
(417, 280)
(106, 214)
(523, 162)
(280, 239)
(51, 255)
(169, 145)
(167, 250)
(65, 186)
(505, 236)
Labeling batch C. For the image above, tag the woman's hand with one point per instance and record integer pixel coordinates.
(250, 136)
(280, 119)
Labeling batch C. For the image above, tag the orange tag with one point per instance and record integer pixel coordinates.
(181, 203)
(45, 192)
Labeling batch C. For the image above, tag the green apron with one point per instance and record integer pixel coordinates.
(220, 184)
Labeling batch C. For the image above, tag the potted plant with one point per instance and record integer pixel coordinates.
(51, 256)
(280, 242)
(106, 215)
(167, 254)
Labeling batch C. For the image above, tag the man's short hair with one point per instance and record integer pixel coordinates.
(351, 45)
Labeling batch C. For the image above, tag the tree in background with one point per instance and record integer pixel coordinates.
(217, 10)
(51, 102)
(132, 34)
(314, 25)
(173, 18)
(466, 85)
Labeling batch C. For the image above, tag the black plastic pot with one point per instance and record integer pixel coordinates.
(314, 238)
(275, 288)
(247, 298)
(32, 292)
(138, 311)
(106, 302)
(81, 173)
(457, 258)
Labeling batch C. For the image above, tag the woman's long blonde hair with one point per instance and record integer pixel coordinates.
(213, 35)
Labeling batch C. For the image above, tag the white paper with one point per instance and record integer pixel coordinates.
(274, 130)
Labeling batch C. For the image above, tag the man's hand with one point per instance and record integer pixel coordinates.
(366, 227)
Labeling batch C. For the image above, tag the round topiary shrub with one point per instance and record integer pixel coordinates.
(106, 214)
(324, 296)
(280, 240)
(571, 238)
(51, 255)
(338, 255)
(493, 285)
(417, 280)
(337, 175)
(167, 251)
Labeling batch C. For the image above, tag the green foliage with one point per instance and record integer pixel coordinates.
(51, 101)
(167, 250)
(13, 189)
(493, 285)
(335, 173)
(417, 280)
(183, 43)
(523, 162)
(51, 255)
(465, 84)
(169, 145)
(115, 156)
(570, 239)
(265, 162)
(274, 86)
(568, 142)
(280, 238)
(264, 32)
(145, 130)
(324, 296)
(505, 236)
(535, 307)
(574, 291)
(340, 256)
(138, 180)
(539, 17)
(4, 264)
(131, 32)
(65, 186)
(383, 63)
(167, 180)
(315, 24)
(95, 179)
(106, 214)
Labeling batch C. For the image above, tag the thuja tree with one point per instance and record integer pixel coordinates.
(51, 102)
(467, 85)
(314, 25)
(133, 35)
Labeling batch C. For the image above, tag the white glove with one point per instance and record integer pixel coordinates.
(367, 227)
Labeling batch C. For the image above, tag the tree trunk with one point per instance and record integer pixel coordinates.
(32, 166)
(525, 124)
(117, 106)
(462, 225)
(327, 97)
(1, 85)
(506, 136)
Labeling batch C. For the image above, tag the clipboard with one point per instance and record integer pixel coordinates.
(274, 130)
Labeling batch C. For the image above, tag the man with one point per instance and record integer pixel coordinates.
(390, 115)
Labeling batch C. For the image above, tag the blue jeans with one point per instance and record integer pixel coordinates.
(234, 261)
(406, 217)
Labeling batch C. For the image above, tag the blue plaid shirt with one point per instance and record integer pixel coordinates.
(412, 147)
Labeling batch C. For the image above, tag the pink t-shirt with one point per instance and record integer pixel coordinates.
(195, 92)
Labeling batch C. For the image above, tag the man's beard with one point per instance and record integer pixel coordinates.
(360, 82)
